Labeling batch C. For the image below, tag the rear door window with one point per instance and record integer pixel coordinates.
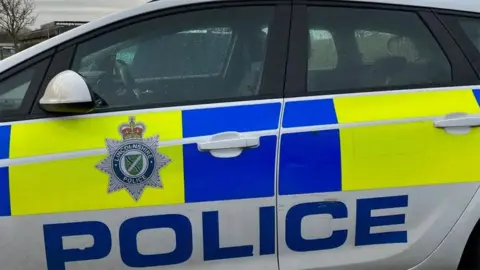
(323, 51)
(396, 49)
(471, 27)
(466, 31)
(374, 45)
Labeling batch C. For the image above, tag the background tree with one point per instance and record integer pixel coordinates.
(15, 16)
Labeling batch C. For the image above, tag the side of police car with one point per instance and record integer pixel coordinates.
(246, 135)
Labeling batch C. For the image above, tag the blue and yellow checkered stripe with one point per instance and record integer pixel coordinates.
(357, 153)
(74, 184)
(351, 152)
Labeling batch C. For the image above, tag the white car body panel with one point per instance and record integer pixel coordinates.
(447, 255)
(427, 222)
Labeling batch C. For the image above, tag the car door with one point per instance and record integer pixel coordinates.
(155, 176)
(376, 165)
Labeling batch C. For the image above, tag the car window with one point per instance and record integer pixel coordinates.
(374, 45)
(395, 49)
(13, 89)
(127, 54)
(196, 52)
(323, 53)
(189, 57)
(471, 27)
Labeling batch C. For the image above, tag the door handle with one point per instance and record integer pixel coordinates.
(464, 121)
(228, 144)
(233, 143)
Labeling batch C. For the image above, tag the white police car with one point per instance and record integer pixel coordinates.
(246, 135)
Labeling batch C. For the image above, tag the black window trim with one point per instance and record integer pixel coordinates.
(23, 113)
(449, 20)
(60, 61)
(296, 80)
(275, 61)
(462, 70)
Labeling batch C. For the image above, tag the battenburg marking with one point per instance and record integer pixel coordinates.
(134, 162)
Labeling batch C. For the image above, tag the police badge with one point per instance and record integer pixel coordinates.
(134, 162)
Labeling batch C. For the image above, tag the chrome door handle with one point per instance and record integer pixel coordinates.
(465, 121)
(234, 143)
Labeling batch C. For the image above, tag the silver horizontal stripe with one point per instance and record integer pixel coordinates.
(101, 151)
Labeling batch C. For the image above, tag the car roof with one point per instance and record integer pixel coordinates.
(458, 5)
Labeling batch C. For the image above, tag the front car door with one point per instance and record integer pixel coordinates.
(371, 175)
(176, 166)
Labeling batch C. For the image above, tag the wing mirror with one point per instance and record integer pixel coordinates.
(67, 93)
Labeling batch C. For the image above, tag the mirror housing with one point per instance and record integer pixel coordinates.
(67, 92)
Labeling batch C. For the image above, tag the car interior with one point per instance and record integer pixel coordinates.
(215, 60)
(220, 62)
(392, 68)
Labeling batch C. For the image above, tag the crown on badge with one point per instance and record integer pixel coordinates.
(132, 130)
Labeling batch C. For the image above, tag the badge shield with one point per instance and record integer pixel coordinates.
(134, 162)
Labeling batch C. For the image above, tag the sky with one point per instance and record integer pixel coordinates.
(78, 10)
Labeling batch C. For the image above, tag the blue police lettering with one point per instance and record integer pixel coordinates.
(128, 240)
(336, 210)
(267, 230)
(365, 221)
(57, 256)
(211, 241)
(213, 249)
(293, 226)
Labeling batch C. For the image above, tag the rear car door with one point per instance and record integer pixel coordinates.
(176, 166)
(373, 171)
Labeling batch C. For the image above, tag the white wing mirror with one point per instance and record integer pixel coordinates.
(67, 93)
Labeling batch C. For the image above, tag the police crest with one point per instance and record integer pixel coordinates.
(134, 162)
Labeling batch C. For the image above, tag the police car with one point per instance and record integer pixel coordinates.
(246, 135)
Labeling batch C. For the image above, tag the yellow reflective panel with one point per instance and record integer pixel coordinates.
(388, 155)
(410, 154)
(400, 105)
(76, 185)
(77, 134)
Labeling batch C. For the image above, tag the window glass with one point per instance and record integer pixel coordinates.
(393, 49)
(374, 45)
(323, 53)
(127, 54)
(14, 89)
(472, 29)
(198, 52)
(188, 57)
